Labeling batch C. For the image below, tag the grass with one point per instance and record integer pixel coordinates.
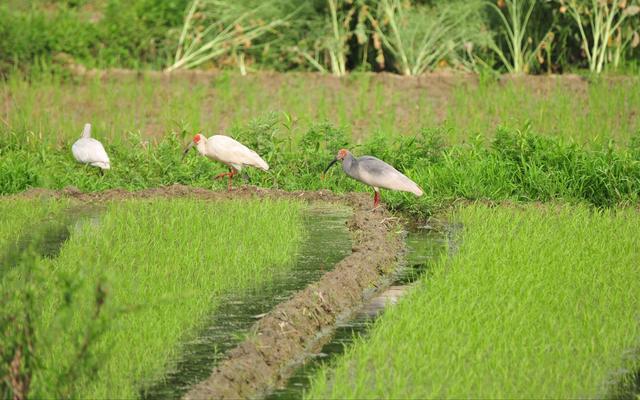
(18, 217)
(539, 302)
(53, 110)
(515, 164)
(520, 140)
(112, 308)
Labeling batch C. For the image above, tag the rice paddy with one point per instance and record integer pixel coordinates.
(538, 302)
(111, 310)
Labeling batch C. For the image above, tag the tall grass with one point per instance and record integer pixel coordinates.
(539, 302)
(161, 266)
(214, 29)
(515, 16)
(421, 37)
(606, 28)
(50, 110)
(517, 164)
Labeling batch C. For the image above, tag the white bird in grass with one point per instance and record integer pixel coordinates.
(375, 173)
(87, 150)
(228, 151)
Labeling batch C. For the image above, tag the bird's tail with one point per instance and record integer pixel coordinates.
(414, 188)
(262, 164)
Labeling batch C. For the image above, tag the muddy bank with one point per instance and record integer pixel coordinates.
(285, 334)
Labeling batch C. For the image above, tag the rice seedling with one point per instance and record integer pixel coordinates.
(110, 311)
(20, 216)
(538, 302)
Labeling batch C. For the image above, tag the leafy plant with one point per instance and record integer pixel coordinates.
(419, 37)
(213, 28)
(606, 21)
(330, 50)
(515, 16)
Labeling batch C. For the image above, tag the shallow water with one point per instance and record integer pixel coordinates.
(237, 312)
(423, 247)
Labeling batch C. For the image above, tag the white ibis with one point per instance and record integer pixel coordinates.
(87, 150)
(228, 151)
(375, 173)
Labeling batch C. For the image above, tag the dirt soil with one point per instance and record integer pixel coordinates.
(292, 329)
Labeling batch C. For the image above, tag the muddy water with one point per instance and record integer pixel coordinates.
(328, 241)
(423, 247)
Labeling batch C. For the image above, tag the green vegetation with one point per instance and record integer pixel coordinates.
(106, 316)
(545, 146)
(51, 111)
(336, 36)
(539, 302)
(18, 218)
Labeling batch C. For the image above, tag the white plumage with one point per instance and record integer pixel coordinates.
(229, 152)
(90, 151)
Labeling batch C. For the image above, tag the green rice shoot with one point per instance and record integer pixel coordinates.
(539, 302)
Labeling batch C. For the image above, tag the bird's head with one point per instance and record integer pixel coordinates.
(342, 153)
(197, 139)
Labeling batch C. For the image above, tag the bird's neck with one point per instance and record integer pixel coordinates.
(202, 146)
(349, 162)
(86, 132)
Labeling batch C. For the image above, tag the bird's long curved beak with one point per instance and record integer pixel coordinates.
(335, 160)
(186, 150)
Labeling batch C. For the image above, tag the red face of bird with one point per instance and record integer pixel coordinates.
(342, 153)
(197, 139)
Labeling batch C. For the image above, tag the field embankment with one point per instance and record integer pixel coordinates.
(540, 301)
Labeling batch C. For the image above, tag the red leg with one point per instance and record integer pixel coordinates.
(221, 175)
(376, 199)
(230, 175)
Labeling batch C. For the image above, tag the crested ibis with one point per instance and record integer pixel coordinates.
(228, 151)
(88, 150)
(375, 173)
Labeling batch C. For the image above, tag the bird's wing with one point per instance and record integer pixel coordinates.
(231, 151)
(90, 151)
(378, 173)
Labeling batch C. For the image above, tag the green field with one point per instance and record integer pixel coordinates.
(538, 302)
(108, 314)
(362, 105)
(545, 145)
(519, 119)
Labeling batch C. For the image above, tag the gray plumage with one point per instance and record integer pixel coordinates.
(377, 173)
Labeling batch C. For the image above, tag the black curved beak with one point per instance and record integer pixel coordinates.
(186, 150)
(335, 160)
